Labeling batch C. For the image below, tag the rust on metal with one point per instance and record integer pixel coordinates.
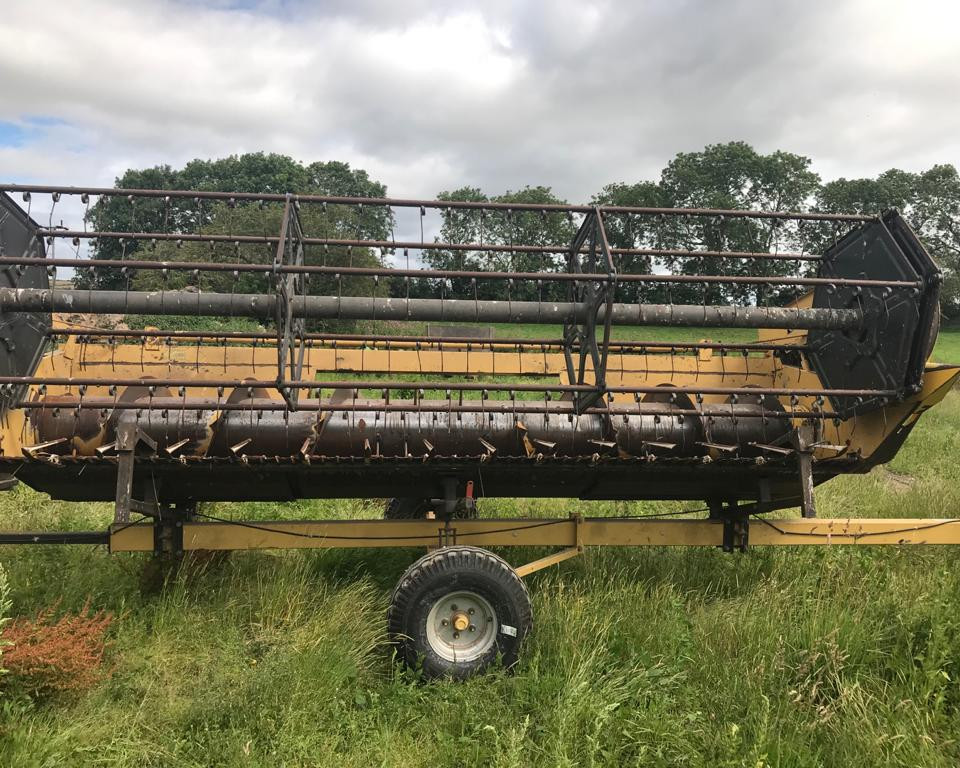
(346, 388)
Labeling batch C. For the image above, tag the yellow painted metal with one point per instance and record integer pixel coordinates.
(652, 367)
(545, 562)
(596, 532)
(132, 538)
(328, 534)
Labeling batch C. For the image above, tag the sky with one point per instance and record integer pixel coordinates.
(428, 96)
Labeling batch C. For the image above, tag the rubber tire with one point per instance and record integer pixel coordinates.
(452, 569)
(405, 508)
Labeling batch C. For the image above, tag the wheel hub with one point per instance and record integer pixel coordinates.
(461, 626)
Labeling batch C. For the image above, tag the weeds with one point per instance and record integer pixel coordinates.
(47, 656)
(807, 656)
(5, 605)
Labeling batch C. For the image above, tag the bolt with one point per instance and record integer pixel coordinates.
(453, 606)
(443, 622)
(473, 628)
(456, 635)
(471, 611)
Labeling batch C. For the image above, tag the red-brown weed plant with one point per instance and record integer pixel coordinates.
(47, 655)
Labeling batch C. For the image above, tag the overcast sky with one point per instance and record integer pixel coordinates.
(430, 96)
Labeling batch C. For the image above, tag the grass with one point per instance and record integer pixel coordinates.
(779, 657)
(947, 349)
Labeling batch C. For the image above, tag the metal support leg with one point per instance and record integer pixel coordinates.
(129, 437)
(736, 527)
(804, 439)
(808, 505)
(736, 533)
(168, 533)
(125, 460)
(450, 496)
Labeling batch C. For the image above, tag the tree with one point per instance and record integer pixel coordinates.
(501, 228)
(340, 222)
(637, 232)
(929, 201)
(733, 175)
(254, 172)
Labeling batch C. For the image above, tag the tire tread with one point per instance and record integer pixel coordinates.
(451, 560)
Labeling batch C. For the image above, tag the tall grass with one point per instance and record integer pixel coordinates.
(793, 657)
(947, 349)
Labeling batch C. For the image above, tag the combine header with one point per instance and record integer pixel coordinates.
(348, 388)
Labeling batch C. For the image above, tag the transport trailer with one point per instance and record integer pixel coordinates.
(349, 389)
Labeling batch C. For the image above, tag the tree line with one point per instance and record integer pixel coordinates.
(731, 175)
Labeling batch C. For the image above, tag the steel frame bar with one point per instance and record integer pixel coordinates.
(182, 194)
(555, 532)
(345, 271)
(545, 562)
(607, 291)
(55, 537)
(582, 335)
(85, 335)
(478, 406)
(289, 328)
(453, 386)
(411, 245)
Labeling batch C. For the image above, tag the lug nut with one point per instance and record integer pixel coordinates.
(473, 628)
(443, 622)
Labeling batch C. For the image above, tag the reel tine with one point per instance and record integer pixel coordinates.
(514, 252)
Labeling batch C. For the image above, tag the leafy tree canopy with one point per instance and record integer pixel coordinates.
(254, 172)
(930, 202)
(504, 229)
(731, 175)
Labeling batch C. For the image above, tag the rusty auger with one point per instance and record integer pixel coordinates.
(217, 346)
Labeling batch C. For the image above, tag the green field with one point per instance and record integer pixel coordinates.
(784, 657)
(947, 349)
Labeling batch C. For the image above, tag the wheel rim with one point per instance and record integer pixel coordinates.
(461, 626)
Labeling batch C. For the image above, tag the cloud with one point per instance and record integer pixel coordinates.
(430, 96)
